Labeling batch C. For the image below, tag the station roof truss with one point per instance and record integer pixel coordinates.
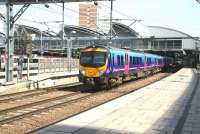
(122, 30)
(76, 31)
(48, 1)
(2, 34)
(23, 29)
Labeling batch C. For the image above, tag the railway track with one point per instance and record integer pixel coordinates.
(45, 112)
(32, 93)
(12, 114)
(14, 96)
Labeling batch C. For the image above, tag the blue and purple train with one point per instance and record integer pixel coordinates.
(107, 66)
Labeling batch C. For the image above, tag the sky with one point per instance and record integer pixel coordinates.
(182, 15)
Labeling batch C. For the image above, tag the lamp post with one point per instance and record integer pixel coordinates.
(63, 24)
(9, 51)
(111, 15)
(41, 40)
(69, 53)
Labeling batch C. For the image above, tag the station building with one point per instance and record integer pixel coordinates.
(152, 39)
(180, 44)
(88, 16)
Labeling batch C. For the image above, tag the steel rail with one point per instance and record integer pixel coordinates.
(31, 93)
(38, 109)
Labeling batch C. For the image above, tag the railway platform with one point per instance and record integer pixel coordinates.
(42, 80)
(165, 107)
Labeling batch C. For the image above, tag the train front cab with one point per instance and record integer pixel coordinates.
(92, 67)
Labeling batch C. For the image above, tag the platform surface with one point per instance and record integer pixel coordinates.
(155, 109)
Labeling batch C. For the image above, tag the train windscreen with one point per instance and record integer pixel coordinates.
(93, 59)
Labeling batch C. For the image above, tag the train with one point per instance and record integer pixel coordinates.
(104, 66)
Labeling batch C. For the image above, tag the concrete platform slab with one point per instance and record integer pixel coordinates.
(154, 109)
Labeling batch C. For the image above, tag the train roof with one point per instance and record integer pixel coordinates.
(110, 47)
(114, 48)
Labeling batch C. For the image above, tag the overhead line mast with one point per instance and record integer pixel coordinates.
(111, 14)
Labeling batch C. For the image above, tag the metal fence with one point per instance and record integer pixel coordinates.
(39, 66)
(52, 65)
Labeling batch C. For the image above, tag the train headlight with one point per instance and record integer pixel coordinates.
(101, 72)
(83, 72)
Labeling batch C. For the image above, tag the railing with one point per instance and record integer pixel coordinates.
(41, 66)
(50, 65)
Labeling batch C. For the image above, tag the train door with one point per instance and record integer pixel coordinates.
(126, 67)
(112, 62)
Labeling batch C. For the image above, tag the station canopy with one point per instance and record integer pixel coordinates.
(47, 1)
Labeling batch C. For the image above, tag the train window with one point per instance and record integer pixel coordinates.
(134, 60)
(93, 59)
(122, 60)
(160, 61)
(131, 60)
(148, 61)
(118, 59)
(110, 59)
(113, 60)
(140, 60)
(99, 58)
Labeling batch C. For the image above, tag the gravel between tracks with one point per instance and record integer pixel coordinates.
(24, 101)
(34, 122)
